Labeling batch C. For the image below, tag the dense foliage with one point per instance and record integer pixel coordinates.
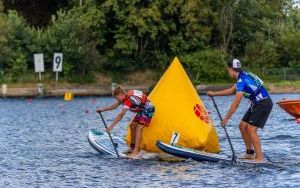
(122, 35)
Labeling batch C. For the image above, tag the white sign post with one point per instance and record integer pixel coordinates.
(57, 63)
(39, 64)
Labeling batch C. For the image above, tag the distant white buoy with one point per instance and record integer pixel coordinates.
(4, 90)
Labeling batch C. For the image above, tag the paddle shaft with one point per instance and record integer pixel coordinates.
(111, 139)
(268, 158)
(233, 153)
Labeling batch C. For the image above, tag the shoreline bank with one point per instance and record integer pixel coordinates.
(45, 90)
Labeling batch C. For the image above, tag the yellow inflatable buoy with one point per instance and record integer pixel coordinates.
(179, 109)
(68, 96)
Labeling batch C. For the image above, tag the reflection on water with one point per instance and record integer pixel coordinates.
(43, 144)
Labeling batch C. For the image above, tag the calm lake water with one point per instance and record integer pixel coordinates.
(44, 144)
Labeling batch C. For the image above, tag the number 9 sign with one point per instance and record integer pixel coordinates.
(57, 62)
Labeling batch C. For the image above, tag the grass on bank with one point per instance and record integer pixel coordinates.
(295, 83)
(139, 78)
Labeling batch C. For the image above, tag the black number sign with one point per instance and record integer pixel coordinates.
(57, 61)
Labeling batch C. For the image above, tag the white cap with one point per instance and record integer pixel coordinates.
(236, 64)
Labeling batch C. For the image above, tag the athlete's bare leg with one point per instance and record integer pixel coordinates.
(247, 139)
(133, 126)
(138, 137)
(256, 142)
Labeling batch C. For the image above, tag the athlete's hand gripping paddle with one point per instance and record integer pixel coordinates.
(233, 153)
(111, 139)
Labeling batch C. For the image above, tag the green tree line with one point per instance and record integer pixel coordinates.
(123, 36)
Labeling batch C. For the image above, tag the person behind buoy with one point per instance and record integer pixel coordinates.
(135, 101)
(251, 87)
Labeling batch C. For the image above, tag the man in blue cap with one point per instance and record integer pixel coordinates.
(251, 87)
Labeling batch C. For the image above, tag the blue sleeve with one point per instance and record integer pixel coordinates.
(240, 87)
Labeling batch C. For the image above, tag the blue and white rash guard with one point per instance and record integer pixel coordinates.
(252, 87)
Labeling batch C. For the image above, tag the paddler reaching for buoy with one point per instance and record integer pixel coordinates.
(135, 101)
(251, 87)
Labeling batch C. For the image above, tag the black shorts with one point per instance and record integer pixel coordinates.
(258, 114)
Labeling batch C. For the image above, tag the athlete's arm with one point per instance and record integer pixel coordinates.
(225, 92)
(111, 107)
(233, 107)
(117, 119)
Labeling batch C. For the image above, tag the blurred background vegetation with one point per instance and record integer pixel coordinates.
(119, 37)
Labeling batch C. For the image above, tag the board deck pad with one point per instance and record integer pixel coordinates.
(101, 142)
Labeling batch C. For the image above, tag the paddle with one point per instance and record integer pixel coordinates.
(233, 153)
(111, 139)
(268, 158)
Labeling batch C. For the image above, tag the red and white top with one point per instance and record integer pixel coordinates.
(134, 100)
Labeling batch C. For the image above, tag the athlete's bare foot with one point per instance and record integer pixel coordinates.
(133, 155)
(248, 156)
(259, 159)
(128, 151)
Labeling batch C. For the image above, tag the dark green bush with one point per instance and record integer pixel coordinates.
(117, 37)
(16, 54)
(73, 33)
(206, 66)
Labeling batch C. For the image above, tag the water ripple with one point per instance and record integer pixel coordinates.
(43, 144)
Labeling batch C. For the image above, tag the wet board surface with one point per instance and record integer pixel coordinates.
(201, 156)
(101, 142)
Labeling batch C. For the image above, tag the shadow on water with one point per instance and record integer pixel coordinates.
(289, 119)
(281, 137)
